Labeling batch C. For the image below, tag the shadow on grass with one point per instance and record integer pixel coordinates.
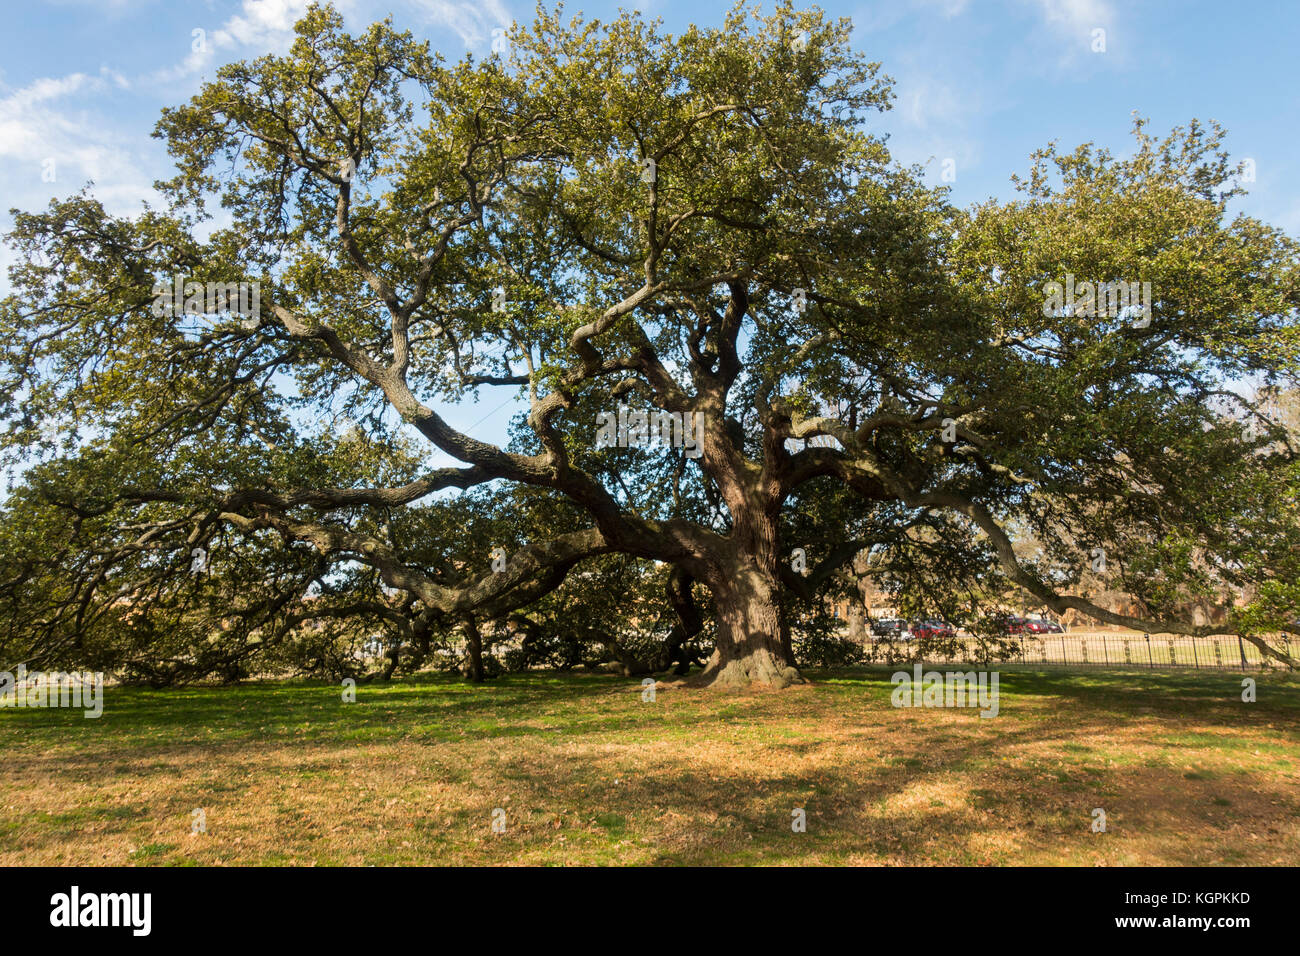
(703, 777)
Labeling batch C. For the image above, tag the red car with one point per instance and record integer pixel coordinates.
(1035, 626)
(931, 628)
(1009, 624)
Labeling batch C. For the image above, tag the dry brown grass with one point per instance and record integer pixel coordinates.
(588, 773)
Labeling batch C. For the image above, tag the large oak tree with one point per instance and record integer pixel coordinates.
(705, 224)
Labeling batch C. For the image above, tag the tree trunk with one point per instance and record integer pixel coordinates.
(391, 664)
(689, 623)
(473, 651)
(751, 639)
(787, 643)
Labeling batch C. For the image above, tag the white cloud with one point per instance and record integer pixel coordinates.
(52, 127)
(472, 22)
(1067, 36)
(264, 23)
(42, 135)
(1076, 16)
(924, 103)
(882, 16)
(262, 26)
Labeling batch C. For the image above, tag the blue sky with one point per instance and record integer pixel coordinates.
(980, 82)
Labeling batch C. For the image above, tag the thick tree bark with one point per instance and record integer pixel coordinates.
(689, 622)
(750, 637)
(787, 644)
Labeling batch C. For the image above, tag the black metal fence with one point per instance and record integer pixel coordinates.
(1095, 649)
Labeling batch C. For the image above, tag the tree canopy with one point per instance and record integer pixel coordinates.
(736, 326)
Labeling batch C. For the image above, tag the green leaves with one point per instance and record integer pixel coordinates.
(419, 233)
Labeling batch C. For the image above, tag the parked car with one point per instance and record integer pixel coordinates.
(1007, 624)
(888, 627)
(932, 628)
(1038, 626)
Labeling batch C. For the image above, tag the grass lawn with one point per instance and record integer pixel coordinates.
(587, 773)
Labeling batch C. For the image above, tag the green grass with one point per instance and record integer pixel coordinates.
(588, 773)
